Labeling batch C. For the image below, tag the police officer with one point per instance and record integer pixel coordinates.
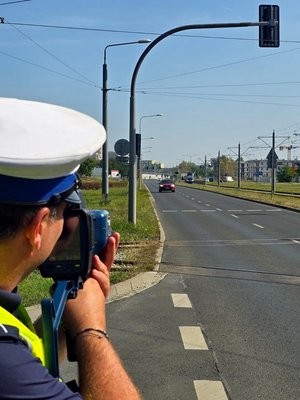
(41, 147)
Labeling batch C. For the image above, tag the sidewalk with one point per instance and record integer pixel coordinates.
(119, 290)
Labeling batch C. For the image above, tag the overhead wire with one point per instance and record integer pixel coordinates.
(52, 55)
(13, 2)
(141, 32)
(47, 69)
(154, 80)
(186, 95)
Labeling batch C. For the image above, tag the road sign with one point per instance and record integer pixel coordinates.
(269, 158)
(122, 147)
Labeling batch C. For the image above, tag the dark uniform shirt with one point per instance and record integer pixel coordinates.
(22, 376)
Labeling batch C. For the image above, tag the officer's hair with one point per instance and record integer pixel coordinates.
(13, 218)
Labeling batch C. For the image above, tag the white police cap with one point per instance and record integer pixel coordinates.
(41, 148)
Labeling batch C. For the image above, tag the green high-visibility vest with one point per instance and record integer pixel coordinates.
(26, 331)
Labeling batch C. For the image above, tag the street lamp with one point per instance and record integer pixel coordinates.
(105, 189)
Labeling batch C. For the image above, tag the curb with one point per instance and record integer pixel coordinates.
(118, 291)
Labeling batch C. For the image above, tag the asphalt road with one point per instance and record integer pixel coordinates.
(239, 262)
(224, 323)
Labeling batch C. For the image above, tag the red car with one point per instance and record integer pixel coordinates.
(166, 185)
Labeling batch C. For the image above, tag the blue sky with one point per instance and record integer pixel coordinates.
(215, 88)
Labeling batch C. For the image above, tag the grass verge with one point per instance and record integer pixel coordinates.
(255, 193)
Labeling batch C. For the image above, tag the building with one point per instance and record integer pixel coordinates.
(257, 170)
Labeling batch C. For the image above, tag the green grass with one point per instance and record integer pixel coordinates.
(130, 259)
(288, 187)
(254, 191)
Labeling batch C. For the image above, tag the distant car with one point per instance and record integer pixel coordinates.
(189, 179)
(166, 185)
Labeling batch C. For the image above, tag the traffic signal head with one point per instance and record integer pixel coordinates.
(269, 33)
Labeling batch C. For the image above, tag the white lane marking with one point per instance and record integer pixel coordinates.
(192, 338)
(296, 241)
(207, 205)
(259, 226)
(234, 216)
(274, 209)
(234, 210)
(210, 390)
(188, 210)
(208, 210)
(169, 211)
(253, 210)
(181, 300)
(199, 201)
(218, 209)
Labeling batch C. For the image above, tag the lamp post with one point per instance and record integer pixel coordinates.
(140, 145)
(105, 189)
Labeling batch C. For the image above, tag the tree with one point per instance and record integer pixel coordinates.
(86, 168)
(286, 174)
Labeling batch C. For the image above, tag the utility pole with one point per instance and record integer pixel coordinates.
(219, 168)
(273, 163)
(239, 166)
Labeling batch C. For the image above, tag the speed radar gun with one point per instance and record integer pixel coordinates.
(85, 234)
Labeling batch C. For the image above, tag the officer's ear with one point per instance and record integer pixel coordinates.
(35, 229)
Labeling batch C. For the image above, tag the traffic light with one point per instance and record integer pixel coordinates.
(269, 34)
(138, 144)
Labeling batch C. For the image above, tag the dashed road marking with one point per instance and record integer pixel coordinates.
(181, 300)
(210, 390)
(169, 211)
(234, 216)
(296, 241)
(219, 209)
(192, 338)
(259, 226)
(207, 205)
(208, 210)
(187, 211)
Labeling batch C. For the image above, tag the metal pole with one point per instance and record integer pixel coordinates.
(105, 164)
(105, 188)
(219, 169)
(205, 170)
(239, 166)
(273, 163)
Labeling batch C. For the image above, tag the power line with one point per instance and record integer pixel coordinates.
(47, 69)
(13, 2)
(52, 55)
(219, 66)
(223, 85)
(200, 97)
(138, 32)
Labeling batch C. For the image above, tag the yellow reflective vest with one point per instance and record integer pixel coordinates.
(26, 331)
